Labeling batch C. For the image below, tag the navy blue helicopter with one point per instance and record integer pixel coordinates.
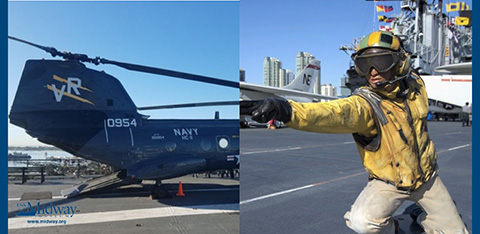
(89, 114)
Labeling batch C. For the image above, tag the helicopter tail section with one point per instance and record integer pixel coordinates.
(68, 102)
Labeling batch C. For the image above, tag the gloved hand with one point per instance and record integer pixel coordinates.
(273, 108)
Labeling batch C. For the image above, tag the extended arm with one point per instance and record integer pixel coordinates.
(348, 115)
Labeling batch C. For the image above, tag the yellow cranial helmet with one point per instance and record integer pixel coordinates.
(379, 39)
(383, 51)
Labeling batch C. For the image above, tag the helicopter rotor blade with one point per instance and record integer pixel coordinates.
(186, 105)
(165, 72)
(129, 66)
(50, 50)
(54, 52)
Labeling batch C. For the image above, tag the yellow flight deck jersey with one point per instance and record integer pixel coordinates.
(390, 131)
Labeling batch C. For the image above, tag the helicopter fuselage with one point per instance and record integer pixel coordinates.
(89, 114)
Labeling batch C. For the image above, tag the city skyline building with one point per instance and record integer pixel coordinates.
(282, 78)
(286, 77)
(271, 71)
(302, 60)
(290, 75)
(274, 75)
(328, 90)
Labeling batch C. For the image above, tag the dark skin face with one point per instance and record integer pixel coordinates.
(374, 76)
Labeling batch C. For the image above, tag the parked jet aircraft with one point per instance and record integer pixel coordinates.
(297, 90)
(89, 114)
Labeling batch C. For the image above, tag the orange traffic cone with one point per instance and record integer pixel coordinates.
(180, 190)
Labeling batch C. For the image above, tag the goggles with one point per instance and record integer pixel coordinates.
(382, 62)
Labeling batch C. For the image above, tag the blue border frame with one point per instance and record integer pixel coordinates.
(475, 128)
(3, 118)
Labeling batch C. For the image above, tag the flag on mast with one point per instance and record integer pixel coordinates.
(384, 8)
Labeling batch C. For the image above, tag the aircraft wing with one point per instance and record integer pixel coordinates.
(257, 92)
(457, 69)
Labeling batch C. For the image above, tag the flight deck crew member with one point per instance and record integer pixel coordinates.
(466, 111)
(388, 120)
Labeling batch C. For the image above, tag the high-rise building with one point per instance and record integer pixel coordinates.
(328, 90)
(286, 76)
(302, 60)
(282, 78)
(290, 76)
(242, 75)
(271, 71)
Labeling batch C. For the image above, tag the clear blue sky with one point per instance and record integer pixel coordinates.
(280, 29)
(206, 38)
(194, 37)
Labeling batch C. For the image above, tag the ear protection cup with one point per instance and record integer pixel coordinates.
(404, 64)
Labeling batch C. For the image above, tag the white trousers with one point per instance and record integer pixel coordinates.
(372, 211)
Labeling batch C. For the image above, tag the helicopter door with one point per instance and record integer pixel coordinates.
(117, 133)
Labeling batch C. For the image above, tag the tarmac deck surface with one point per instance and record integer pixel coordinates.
(292, 182)
(210, 205)
(301, 182)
